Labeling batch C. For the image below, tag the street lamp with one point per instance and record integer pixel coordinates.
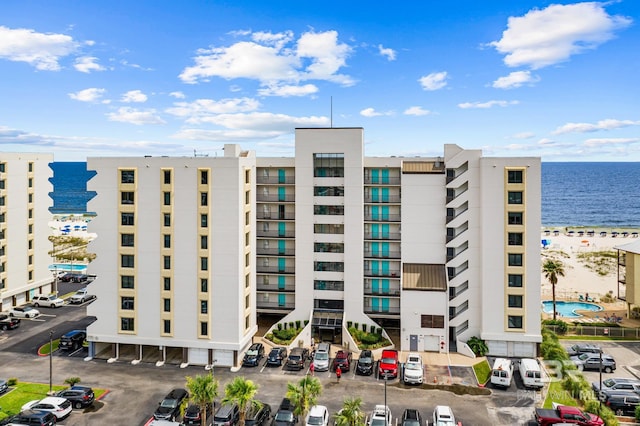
(599, 396)
(50, 362)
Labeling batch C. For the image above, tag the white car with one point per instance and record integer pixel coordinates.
(51, 301)
(318, 416)
(380, 416)
(24, 312)
(443, 416)
(413, 372)
(59, 407)
(81, 296)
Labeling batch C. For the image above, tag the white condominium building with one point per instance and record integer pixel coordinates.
(24, 229)
(192, 252)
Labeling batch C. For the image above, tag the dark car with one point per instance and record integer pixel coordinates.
(193, 415)
(169, 407)
(285, 415)
(258, 415)
(8, 323)
(66, 278)
(623, 403)
(411, 417)
(72, 340)
(277, 356)
(591, 361)
(365, 363)
(581, 348)
(4, 386)
(34, 418)
(79, 396)
(297, 358)
(253, 355)
(227, 415)
(79, 278)
(342, 360)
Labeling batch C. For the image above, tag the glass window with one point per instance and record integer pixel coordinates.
(204, 328)
(204, 199)
(514, 197)
(126, 197)
(127, 303)
(515, 280)
(166, 283)
(204, 285)
(516, 218)
(320, 228)
(126, 219)
(30, 167)
(127, 176)
(328, 165)
(204, 263)
(328, 210)
(166, 239)
(166, 260)
(204, 242)
(166, 176)
(167, 326)
(514, 176)
(126, 324)
(126, 240)
(328, 191)
(328, 247)
(204, 177)
(167, 219)
(166, 305)
(127, 261)
(515, 301)
(126, 281)
(167, 198)
(204, 220)
(515, 259)
(204, 307)
(30, 180)
(329, 266)
(515, 321)
(515, 238)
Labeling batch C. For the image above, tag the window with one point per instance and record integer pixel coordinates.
(320, 228)
(328, 191)
(204, 328)
(514, 176)
(204, 285)
(127, 176)
(247, 176)
(166, 240)
(328, 165)
(126, 240)
(166, 260)
(204, 199)
(30, 259)
(127, 303)
(204, 242)
(126, 281)
(328, 247)
(247, 281)
(2, 167)
(328, 285)
(127, 261)
(515, 280)
(126, 324)
(167, 219)
(514, 197)
(166, 177)
(515, 259)
(126, 219)
(30, 180)
(30, 229)
(515, 301)
(167, 326)
(30, 197)
(204, 307)
(329, 266)
(30, 276)
(204, 263)
(432, 321)
(247, 322)
(328, 210)
(515, 218)
(166, 305)
(30, 214)
(247, 197)
(515, 238)
(30, 167)
(126, 197)
(166, 283)
(515, 321)
(167, 198)
(204, 220)
(247, 218)
(204, 177)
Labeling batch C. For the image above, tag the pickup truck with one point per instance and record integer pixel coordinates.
(388, 364)
(566, 414)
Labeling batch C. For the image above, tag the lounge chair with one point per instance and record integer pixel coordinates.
(581, 298)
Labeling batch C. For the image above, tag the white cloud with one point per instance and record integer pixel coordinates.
(370, 112)
(40, 50)
(416, 110)
(488, 104)
(134, 96)
(92, 94)
(274, 59)
(434, 81)
(389, 53)
(286, 91)
(544, 37)
(135, 116)
(522, 135)
(608, 124)
(201, 110)
(515, 79)
(87, 64)
(177, 95)
(610, 141)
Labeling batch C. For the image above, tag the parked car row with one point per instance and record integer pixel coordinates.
(442, 416)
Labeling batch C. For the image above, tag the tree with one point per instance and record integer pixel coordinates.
(304, 395)
(553, 269)
(478, 346)
(203, 389)
(241, 391)
(351, 413)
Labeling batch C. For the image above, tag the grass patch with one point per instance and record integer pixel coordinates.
(558, 395)
(601, 262)
(46, 349)
(483, 371)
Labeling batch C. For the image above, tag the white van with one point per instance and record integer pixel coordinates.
(530, 373)
(502, 372)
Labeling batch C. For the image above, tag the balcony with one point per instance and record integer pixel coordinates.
(382, 255)
(379, 180)
(377, 273)
(382, 293)
(381, 199)
(274, 287)
(275, 215)
(276, 233)
(268, 305)
(276, 180)
(276, 198)
(382, 236)
(275, 251)
(392, 310)
(262, 269)
(380, 217)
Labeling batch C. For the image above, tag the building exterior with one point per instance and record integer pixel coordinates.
(629, 276)
(428, 247)
(24, 231)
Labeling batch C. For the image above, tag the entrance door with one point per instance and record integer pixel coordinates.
(413, 342)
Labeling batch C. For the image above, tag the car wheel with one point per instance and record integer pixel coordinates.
(36, 304)
(619, 412)
(53, 305)
(11, 315)
(4, 328)
(78, 404)
(608, 370)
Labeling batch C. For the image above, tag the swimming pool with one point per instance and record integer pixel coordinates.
(67, 267)
(568, 309)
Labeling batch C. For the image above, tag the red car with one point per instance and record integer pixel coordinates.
(388, 364)
(342, 359)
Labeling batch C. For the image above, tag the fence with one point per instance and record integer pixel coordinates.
(596, 330)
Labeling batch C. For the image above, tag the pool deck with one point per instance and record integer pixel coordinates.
(618, 308)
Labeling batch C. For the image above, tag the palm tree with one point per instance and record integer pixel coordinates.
(241, 391)
(553, 269)
(351, 413)
(304, 395)
(203, 390)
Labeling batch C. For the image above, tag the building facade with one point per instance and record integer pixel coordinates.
(24, 230)
(426, 247)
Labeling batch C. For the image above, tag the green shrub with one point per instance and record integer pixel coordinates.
(12, 381)
(291, 324)
(560, 326)
(364, 327)
(638, 412)
(478, 346)
(306, 322)
(356, 325)
(72, 381)
(283, 337)
(349, 323)
(379, 331)
(298, 322)
(279, 326)
(368, 340)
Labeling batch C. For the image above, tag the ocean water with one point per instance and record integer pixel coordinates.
(573, 194)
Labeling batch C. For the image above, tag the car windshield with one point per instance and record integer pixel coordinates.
(609, 382)
(294, 357)
(252, 352)
(584, 357)
(284, 416)
(27, 308)
(315, 420)
(378, 421)
(410, 422)
(413, 366)
(388, 361)
(323, 356)
(365, 360)
(169, 403)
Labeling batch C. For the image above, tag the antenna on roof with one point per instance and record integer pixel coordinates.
(331, 111)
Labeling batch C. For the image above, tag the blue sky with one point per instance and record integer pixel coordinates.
(557, 80)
